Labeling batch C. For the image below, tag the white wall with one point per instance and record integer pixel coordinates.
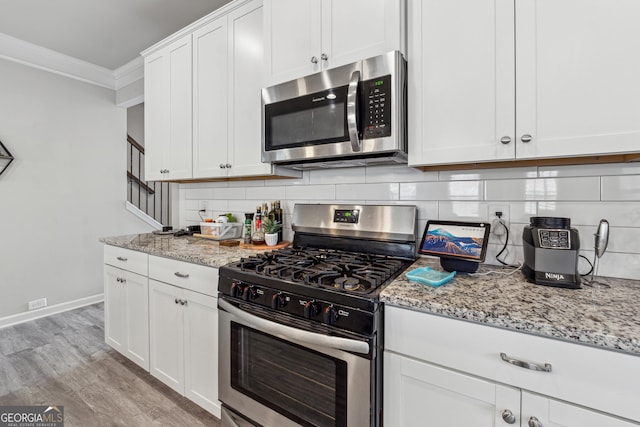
(66, 188)
(135, 122)
(583, 193)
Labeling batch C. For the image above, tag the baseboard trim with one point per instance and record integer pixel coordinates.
(48, 311)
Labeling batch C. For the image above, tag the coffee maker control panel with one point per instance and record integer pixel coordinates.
(554, 239)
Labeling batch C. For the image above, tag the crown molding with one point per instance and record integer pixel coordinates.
(20, 51)
(129, 73)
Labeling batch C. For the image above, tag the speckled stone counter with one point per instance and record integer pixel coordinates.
(196, 250)
(604, 317)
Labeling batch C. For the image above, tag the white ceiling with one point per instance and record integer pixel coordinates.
(108, 33)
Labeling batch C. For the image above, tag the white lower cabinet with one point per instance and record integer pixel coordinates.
(554, 413)
(183, 330)
(420, 394)
(126, 320)
(451, 373)
(164, 317)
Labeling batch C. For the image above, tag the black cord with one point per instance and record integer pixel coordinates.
(506, 242)
(591, 265)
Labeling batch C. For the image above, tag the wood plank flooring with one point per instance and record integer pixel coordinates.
(63, 360)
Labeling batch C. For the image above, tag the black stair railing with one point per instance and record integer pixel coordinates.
(150, 197)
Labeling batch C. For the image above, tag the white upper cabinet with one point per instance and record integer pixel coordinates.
(461, 89)
(202, 99)
(245, 83)
(494, 80)
(577, 69)
(306, 36)
(210, 100)
(167, 122)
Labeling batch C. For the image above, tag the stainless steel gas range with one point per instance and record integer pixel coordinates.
(301, 327)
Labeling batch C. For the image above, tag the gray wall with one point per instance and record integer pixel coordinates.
(66, 188)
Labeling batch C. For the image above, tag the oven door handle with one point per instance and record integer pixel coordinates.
(352, 111)
(264, 325)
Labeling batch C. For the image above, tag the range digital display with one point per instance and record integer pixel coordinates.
(449, 239)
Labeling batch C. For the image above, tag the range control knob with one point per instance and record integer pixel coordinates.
(330, 315)
(236, 289)
(250, 293)
(278, 300)
(311, 309)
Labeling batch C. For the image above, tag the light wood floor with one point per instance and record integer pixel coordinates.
(63, 360)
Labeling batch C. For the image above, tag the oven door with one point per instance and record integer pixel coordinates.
(280, 375)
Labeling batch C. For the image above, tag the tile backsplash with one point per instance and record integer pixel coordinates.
(584, 193)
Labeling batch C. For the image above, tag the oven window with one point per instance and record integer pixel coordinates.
(304, 385)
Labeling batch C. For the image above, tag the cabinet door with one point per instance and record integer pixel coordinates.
(292, 38)
(578, 91)
(461, 81)
(418, 394)
(136, 290)
(245, 83)
(114, 308)
(156, 115)
(166, 336)
(201, 350)
(210, 100)
(359, 29)
(168, 126)
(553, 413)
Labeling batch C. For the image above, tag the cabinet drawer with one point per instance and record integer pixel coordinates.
(596, 378)
(194, 277)
(126, 259)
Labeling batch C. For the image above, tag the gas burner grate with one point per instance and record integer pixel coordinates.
(335, 269)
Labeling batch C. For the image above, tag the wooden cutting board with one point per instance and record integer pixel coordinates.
(264, 247)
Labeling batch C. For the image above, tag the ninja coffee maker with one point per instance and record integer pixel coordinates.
(551, 251)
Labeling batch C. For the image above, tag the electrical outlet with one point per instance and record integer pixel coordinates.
(39, 303)
(493, 217)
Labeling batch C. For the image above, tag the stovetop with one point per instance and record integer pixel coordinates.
(348, 272)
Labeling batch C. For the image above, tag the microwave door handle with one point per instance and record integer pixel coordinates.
(295, 334)
(352, 111)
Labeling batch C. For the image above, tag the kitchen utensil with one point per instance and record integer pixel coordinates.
(601, 242)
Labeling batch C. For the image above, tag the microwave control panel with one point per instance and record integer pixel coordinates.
(377, 107)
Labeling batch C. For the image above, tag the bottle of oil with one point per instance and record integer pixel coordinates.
(279, 216)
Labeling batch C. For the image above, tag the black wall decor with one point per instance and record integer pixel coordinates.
(5, 158)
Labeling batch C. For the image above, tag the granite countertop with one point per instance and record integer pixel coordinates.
(606, 317)
(196, 250)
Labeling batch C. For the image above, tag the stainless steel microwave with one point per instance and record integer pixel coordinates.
(346, 116)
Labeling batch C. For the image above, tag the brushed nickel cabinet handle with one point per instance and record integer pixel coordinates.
(121, 259)
(183, 302)
(534, 422)
(182, 275)
(508, 416)
(505, 140)
(526, 138)
(533, 366)
(324, 57)
(228, 165)
(314, 60)
(177, 301)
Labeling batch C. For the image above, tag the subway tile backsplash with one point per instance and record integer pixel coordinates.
(584, 193)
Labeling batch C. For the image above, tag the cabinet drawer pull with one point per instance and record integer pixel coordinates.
(533, 366)
(505, 140)
(534, 422)
(526, 138)
(182, 275)
(120, 258)
(508, 416)
(314, 60)
(324, 57)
